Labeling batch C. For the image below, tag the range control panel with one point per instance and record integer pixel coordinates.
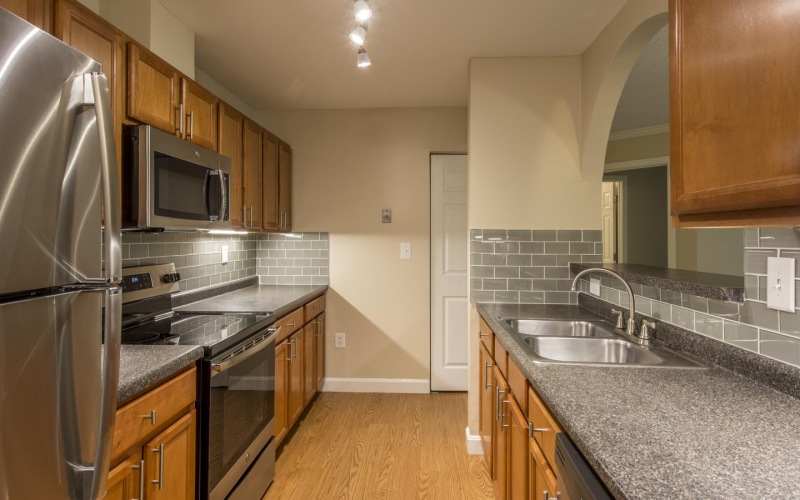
(144, 282)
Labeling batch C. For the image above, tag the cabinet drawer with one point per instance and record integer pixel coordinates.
(152, 411)
(487, 337)
(545, 426)
(518, 384)
(501, 358)
(314, 308)
(290, 323)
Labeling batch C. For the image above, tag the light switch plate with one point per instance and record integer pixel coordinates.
(594, 286)
(405, 251)
(386, 215)
(780, 283)
(225, 254)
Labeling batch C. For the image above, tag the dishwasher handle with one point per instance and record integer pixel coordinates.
(251, 348)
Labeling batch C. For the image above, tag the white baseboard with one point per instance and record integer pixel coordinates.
(384, 385)
(474, 444)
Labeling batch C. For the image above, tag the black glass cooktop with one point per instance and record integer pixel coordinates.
(215, 332)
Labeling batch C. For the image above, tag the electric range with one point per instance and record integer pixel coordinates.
(236, 395)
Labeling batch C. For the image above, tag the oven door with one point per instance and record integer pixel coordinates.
(241, 410)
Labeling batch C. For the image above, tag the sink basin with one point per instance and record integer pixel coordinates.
(588, 350)
(561, 328)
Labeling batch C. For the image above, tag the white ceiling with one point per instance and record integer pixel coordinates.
(645, 98)
(295, 54)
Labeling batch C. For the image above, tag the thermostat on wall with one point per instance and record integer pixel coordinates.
(386, 215)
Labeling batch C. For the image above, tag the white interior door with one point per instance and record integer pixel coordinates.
(609, 213)
(449, 258)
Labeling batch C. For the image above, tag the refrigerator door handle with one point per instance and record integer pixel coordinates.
(112, 235)
(108, 178)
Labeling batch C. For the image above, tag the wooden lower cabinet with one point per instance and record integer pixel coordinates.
(282, 353)
(155, 441)
(500, 442)
(319, 352)
(486, 398)
(169, 461)
(123, 480)
(296, 397)
(309, 361)
(517, 453)
(543, 480)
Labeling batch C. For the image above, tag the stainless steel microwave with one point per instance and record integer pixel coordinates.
(173, 184)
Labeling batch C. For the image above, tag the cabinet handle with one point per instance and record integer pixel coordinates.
(191, 124)
(251, 215)
(481, 334)
(160, 480)
(140, 468)
(294, 348)
(546, 495)
(532, 429)
(486, 375)
(497, 403)
(178, 120)
(286, 220)
(244, 215)
(502, 413)
(290, 325)
(151, 417)
(320, 327)
(182, 115)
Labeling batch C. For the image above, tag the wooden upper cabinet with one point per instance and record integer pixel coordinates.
(85, 31)
(231, 134)
(734, 112)
(285, 185)
(270, 187)
(153, 90)
(252, 168)
(200, 114)
(37, 12)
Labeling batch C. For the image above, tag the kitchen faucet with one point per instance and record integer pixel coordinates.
(630, 331)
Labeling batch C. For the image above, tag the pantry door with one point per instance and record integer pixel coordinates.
(449, 257)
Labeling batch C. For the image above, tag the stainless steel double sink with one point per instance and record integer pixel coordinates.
(589, 342)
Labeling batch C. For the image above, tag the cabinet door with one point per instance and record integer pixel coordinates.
(296, 399)
(543, 481)
(734, 112)
(282, 361)
(231, 130)
(500, 442)
(319, 349)
(251, 189)
(170, 461)
(486, 396)
(153, 93)
(200, 114)
(124, 479)
(82, 29)
(285, 185)
(309, 357)
(518, 453)
(272, 218)
(36, 12)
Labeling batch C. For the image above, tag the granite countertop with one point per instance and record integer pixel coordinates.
(665, 432)
(257, 299)
(143, 366)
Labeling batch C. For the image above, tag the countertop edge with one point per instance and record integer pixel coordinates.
(162, 362)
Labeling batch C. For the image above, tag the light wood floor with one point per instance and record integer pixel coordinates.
(381, 446)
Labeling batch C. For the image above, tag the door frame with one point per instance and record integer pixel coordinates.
(430, 264)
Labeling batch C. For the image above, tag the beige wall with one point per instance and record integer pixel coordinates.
(524, 116)
(638, 148)
(267, 119)
(152, 25)
(348, 165)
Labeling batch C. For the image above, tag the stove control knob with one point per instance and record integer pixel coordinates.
(171, 277)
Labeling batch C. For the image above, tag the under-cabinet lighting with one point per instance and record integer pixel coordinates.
(226, 231)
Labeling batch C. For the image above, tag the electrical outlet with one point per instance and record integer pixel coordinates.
(339, 340)
(594, 286)
(225, 254)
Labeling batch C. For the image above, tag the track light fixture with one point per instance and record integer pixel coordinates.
(362, 10)
(363, 58)
(359, 34)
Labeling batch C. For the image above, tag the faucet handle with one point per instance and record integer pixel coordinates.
(648, 330)
(618, 314)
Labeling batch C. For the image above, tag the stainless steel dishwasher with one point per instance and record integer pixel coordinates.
(576, 480)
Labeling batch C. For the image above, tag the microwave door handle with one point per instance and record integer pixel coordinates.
(223, 207)
(207, 191)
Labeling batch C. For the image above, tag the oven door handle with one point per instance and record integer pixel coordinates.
(232, 361)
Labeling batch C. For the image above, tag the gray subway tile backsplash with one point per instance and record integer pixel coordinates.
(532, 264)
(197, 256)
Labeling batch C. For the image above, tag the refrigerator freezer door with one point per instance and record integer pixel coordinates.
(51, 389)
(50, 186)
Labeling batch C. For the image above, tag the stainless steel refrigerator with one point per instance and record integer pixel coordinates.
(59, 270)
